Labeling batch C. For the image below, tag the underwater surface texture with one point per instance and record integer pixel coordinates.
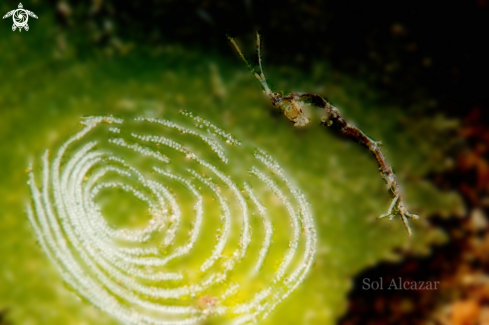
(46, 92)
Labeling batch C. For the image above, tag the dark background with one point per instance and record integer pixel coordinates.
(409, 50)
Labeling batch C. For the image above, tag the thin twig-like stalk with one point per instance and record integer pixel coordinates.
(290, 104)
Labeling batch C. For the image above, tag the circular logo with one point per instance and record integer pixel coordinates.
(20, 18)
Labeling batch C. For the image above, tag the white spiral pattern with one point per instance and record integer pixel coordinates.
(172, 270)
(20, 16)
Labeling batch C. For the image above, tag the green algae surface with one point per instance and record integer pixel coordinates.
(44, 92)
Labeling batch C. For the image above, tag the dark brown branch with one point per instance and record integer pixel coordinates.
(291, 106)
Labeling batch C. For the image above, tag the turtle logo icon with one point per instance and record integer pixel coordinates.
(20, 16)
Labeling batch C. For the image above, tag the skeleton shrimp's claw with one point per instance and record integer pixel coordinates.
(398, 208)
